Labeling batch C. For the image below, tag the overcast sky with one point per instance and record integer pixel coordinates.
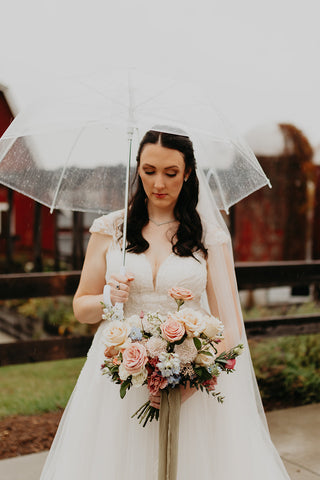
(259, 59)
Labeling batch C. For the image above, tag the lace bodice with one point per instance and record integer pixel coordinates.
(175, 271)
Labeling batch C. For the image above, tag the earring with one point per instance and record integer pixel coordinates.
(185, 179)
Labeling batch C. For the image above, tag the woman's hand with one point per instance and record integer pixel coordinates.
(184, 392)
(155, 400)
(120, 287)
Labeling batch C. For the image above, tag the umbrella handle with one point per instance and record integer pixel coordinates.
(123, 271)
(106, 292)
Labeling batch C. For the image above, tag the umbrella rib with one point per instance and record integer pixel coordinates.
(212, 173)
(103, 95)
(154, 96)
(64, 169)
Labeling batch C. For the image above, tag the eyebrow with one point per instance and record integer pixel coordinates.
(147, 165)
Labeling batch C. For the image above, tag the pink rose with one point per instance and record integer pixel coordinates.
(156, 382)
(179, 293)
(230, 364)
(172, 330)
(134, 358)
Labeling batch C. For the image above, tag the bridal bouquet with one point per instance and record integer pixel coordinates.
(165, 351)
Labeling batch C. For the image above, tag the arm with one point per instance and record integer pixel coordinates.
(86, 302)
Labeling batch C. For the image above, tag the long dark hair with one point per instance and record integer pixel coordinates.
(188, 238)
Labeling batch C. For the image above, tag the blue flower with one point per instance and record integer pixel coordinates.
(174, 380)
(135, 334)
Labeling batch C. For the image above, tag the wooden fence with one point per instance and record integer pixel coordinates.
(249, 276)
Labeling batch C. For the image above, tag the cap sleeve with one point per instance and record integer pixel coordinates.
(108, 224)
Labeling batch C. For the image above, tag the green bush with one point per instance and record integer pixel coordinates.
(287, 370)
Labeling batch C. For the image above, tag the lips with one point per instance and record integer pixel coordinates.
(160, 195)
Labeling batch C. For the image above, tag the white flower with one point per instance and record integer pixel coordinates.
(139, 378)
(206, 360)
(134, 321)
(155, 346)
(151, 323)
(169, 364)
(238, 350)
(123, 373)
(213, 327)
(187, 351)
(111, 312)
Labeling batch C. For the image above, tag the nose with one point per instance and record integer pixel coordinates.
(159, 182)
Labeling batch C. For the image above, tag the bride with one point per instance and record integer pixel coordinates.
(176, 237)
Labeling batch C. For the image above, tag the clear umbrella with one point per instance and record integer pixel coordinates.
(73, 148)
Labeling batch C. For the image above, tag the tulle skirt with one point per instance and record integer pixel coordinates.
(98, 440)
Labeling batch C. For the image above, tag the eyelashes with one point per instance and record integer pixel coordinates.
(167, 174)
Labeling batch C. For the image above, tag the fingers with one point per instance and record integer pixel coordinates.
(120, 287)
(155, 400)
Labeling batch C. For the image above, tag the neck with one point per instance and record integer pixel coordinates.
(160, 215)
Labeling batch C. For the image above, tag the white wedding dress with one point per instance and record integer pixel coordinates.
(98, 440)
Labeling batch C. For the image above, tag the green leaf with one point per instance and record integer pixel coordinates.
(204, 352)
(197, 343)
(202, 373)
(123, 389)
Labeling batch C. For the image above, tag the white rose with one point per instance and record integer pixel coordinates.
(123, 373)
(139, 378)
(194, 322)
(213, 327)
(116, 335)
(206, 360)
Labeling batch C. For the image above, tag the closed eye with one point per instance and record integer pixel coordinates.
(168, 174)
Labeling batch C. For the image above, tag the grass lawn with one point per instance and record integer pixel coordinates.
(37, 387)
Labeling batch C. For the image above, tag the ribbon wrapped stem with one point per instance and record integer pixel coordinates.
(169, 434)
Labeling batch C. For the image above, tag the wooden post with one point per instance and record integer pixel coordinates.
(77, 240)
(56, 242)
(37, 236)
(8, 236)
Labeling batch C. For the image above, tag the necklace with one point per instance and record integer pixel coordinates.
(161, 223)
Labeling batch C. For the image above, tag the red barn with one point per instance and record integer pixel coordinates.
(22, 209)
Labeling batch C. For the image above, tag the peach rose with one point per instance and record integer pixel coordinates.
(111, 352)
(172, 330)
(116, 335)
(179, 293)
(134, 358)
(194, 322)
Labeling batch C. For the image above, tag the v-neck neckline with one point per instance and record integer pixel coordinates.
(154, 276)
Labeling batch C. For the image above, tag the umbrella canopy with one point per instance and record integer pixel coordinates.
(70, 149)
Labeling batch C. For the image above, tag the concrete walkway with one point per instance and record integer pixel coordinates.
(294, 431)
